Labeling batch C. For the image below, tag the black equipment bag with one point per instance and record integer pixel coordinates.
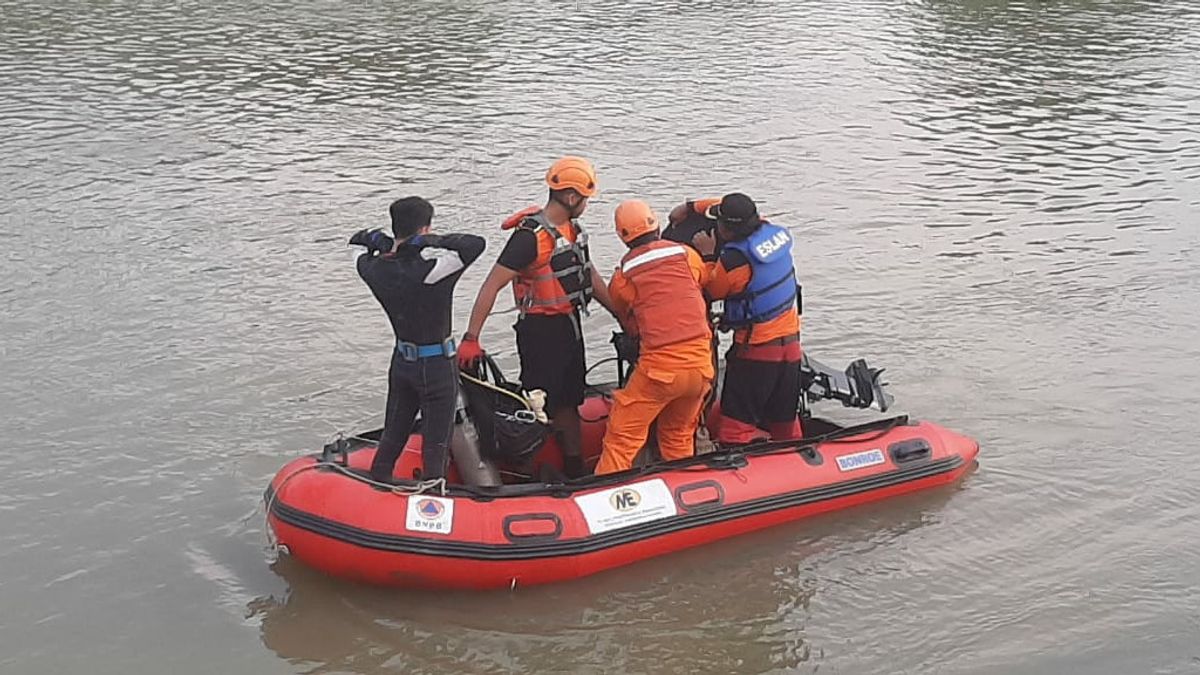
(508, 428)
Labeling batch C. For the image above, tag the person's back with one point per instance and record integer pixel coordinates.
(656, 293)
(670, 315)
(691, 218)
(415, 282)
(413, 278)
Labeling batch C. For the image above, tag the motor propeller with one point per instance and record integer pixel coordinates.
(858, 386)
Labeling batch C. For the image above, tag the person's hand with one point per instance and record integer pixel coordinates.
(373, 240)
(705, 243)
(469, 351)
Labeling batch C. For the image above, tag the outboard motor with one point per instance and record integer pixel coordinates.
(859, 386)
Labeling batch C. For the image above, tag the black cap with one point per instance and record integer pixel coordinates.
(736, 209)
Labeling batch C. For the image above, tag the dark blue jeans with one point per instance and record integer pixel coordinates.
(427, 385)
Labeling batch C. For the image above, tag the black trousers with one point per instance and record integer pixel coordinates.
(552, 358)
(760, 392)
(427, 385)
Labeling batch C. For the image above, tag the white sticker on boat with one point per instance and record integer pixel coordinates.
(627, 505)
(430, 514)
(860, 460)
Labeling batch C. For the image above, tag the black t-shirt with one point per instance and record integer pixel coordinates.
(683, 231)
(415, 284)
(521, 250)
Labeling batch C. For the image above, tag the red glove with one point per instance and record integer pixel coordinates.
(469, 351)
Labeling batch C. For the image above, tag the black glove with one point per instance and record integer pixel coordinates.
(375, 241)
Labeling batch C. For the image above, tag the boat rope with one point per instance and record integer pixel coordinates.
(500, 390)
(341, 431)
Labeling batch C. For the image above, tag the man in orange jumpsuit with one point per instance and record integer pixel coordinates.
(755, 276)
(657, 294)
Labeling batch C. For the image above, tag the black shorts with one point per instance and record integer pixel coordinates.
(552, 359)
(760, 392)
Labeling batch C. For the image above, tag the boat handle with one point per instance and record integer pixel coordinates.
(717, 500)
(910, 450)
(514, 536)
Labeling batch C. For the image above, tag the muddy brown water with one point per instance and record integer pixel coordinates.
(995, 200)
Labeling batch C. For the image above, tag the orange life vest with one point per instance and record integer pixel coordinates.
(670, 306)
(559, 280)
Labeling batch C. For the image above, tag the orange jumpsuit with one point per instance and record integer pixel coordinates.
(657, 292)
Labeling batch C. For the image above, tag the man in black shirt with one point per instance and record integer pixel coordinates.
(413, 277)
(689, 219)
(548, 263)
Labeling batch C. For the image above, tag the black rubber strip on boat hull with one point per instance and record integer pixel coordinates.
(628, 535)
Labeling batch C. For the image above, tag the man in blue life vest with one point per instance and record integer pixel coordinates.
(756, 278)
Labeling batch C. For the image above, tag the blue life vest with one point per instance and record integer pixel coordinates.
(772, 287)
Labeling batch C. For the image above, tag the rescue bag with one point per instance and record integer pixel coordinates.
(507, 424)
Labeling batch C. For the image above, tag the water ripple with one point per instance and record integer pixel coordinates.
(994, 199)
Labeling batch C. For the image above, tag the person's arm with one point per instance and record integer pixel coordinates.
(699, 206)
(450, 254)
(468, 246)
(730, 276)
(600, 293)
(621, 298)
(362, 262)
(702, 206)
(496, 280)
(700, 271)
(469, 349)
(520, 252)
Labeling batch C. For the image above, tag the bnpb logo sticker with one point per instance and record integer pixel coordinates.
(428, 508)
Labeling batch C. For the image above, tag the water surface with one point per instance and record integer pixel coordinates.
(995, 199)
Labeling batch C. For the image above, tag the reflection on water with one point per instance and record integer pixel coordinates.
(995, 200)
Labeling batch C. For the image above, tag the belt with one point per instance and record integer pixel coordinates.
(412, 352)
(785, 340)
(785, 349)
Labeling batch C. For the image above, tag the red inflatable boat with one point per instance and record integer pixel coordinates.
(324, 513)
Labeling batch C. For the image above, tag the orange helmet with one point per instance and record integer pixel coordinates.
(635, 218)
(575, 173)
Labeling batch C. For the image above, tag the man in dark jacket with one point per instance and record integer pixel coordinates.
(691, 218)
(413, 277)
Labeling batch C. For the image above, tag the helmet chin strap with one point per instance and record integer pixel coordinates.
(572, 211)
(575, 212)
